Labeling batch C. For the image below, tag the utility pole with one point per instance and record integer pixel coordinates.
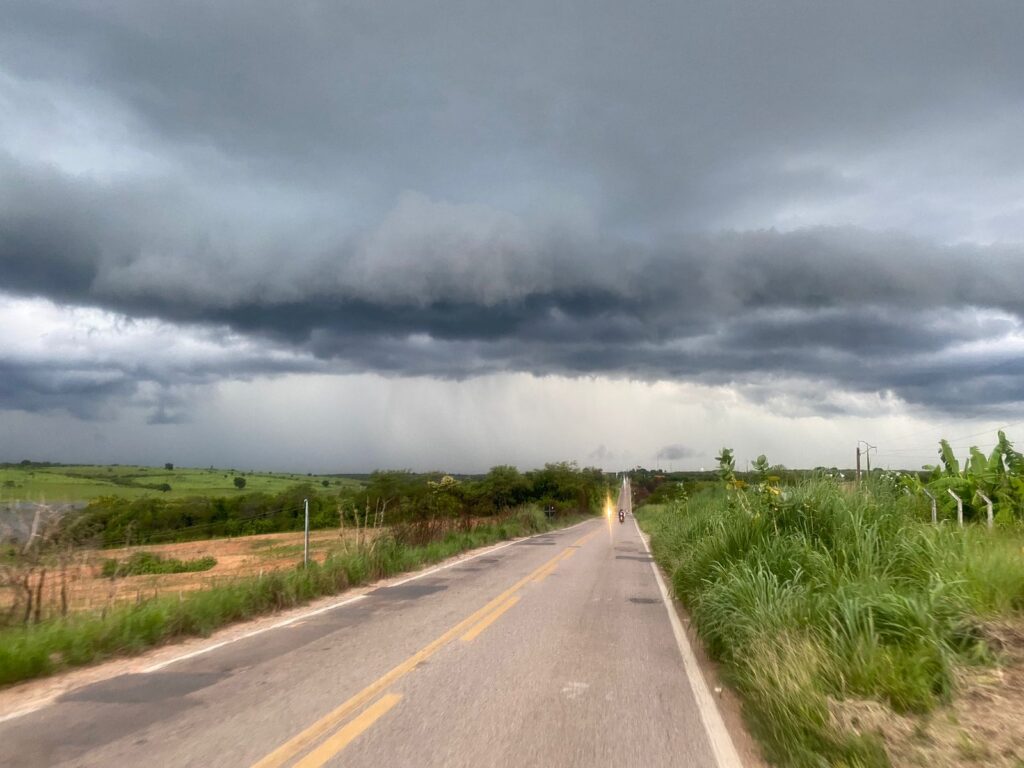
(868, 448)
(305, 546)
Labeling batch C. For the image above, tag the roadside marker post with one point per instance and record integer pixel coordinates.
(935, 512)
(959, 507)
(988, 503)
(305, 544)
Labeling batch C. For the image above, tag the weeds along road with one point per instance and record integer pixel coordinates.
(552, 651)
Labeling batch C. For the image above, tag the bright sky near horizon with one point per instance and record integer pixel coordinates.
(443, 235)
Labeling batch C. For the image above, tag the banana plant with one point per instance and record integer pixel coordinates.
(1000, 476)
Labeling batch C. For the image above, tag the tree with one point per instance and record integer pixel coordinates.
(164, 487)
(444, 497)
(325, 483)
(239, 483)
(169, 466)
(505, 487)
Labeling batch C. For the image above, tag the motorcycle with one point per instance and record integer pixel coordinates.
(622, 516)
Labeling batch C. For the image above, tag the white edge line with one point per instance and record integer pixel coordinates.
(718, 735)
(253, 633)
(332, 606)
(156, 667)
(28, 710)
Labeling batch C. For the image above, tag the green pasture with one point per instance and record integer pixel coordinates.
(71, 483)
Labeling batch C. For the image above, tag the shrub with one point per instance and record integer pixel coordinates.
(150, 563)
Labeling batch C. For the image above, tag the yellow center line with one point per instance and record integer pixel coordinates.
(551, 567)
(584, 539)
(349, 733)
(304, 738)
(492, 617)
(569, 552)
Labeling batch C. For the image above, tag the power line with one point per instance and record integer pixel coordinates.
(991, 431)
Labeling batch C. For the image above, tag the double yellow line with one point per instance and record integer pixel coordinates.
(469, 628)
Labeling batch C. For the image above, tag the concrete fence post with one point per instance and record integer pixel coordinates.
(988, 504)
(935, 511)
(959, 507)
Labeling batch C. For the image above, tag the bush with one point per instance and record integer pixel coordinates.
(148, 563)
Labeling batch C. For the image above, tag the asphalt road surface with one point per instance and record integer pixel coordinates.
(553, 651)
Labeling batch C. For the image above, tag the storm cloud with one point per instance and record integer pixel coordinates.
(790, 198)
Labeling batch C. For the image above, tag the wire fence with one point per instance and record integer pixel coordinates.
(43, 575)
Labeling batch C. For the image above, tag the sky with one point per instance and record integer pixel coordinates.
(334, 236)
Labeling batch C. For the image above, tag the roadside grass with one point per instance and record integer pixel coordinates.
(827, 594)
(42, 649)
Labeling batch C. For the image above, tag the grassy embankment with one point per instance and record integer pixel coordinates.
(824, 595)
(40, 649)
(73, 483)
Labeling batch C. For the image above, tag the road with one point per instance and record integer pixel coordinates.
(556, 650)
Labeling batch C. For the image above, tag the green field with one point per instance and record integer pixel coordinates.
(71, 483)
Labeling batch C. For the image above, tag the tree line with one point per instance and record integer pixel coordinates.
(388, 497)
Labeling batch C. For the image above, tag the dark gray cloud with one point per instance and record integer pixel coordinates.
(41, 387)
(724, 192)
(852, 308)
(677, 451)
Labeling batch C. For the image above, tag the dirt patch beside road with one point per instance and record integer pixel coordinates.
(242, 556)
(981, 727)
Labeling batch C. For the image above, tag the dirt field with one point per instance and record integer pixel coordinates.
(236, 557)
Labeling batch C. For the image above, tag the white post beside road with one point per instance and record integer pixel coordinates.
(935, 512)
(959, 507)
(305, 546)
(988, 503)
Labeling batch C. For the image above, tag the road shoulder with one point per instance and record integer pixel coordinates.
(726, 702)
(28, 697)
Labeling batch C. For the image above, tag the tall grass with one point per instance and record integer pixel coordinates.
(44, 648)
(824, 593)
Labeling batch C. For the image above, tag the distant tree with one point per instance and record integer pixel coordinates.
(165, 487)
(239, 483)
(325, 483)
(169, 466)
(505, 486)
